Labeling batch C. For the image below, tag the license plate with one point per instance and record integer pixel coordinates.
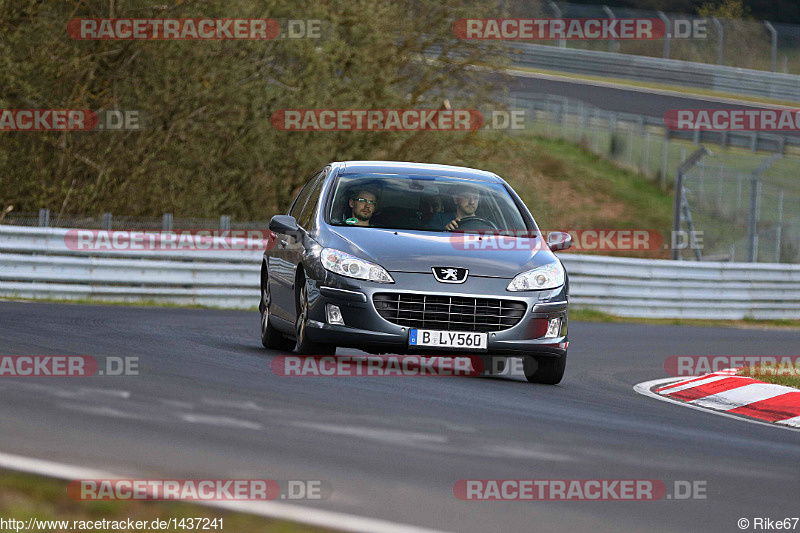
(463, 340)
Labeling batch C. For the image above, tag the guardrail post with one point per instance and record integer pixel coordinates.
(755, 194)
(166, 222)
(225, 222)
(676, 211)
(44, 218)
(667, 33)
(774, 33)
(720, 39)
(106, 222)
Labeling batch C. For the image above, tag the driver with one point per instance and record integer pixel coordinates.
(466, 204)
(363, 204)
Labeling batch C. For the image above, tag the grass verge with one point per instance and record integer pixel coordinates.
(782, 375)
(593, 315)
(25, 496)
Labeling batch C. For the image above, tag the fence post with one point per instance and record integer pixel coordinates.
(667, 34)
(225, 222)
(557, 11)
(755, 193)
(774, 34)
(779, 228)
(720, 39)
(612, 44)
(106, 222)
(166, 222)
(676, 211)
(44, 217)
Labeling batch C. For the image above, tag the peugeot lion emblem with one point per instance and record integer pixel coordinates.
(450, 274)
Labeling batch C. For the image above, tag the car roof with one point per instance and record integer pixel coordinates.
(414, 169)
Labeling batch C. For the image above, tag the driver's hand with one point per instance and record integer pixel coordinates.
(453, 224)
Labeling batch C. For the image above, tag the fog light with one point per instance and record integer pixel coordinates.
(334, 314)
(553, 328)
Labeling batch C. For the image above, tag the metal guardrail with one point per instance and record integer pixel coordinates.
(656, 70)
(36, 263)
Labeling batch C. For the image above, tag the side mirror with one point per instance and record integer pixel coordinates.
(283, 224)
(558, 240)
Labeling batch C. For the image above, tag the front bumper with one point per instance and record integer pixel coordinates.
(365, 329)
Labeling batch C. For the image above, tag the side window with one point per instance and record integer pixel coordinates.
(300, 201)
(307, 214)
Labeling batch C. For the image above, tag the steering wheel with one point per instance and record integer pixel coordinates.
(474, 222)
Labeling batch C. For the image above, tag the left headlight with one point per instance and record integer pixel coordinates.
(353, 267)
(544, 277)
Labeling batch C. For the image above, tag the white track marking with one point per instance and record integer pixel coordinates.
(741, 396)
(692, 384)
(274, 510)
(795, 422)
(383, 435)
(644, 389)
(221, 421)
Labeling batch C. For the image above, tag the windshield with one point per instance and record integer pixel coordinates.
(423, 203)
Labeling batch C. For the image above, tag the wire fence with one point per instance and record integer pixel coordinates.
(751, 44)
(743, 212)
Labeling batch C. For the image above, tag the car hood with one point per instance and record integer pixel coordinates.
(418, 251)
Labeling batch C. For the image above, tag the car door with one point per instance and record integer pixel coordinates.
(288, 252)
(280, 260)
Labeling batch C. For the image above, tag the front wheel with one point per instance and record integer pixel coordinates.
(548, 370)
(304, 345)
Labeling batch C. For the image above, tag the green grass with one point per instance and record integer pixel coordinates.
(788, 376)
(24, 496)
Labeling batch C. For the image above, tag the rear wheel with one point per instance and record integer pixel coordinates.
(544, 369)
(270, 337)
(304, 345)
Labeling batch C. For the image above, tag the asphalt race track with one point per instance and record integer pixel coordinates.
(635, 100)
(206, 404)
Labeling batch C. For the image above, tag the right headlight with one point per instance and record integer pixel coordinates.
(353, 267)
(544, 277)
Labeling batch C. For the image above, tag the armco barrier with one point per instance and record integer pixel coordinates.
(35, 263)
(657, 70)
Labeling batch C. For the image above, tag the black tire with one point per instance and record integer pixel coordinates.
(303, 345)
(270, 337)
(548, 370)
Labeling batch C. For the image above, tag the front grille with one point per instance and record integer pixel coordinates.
(449, 313)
